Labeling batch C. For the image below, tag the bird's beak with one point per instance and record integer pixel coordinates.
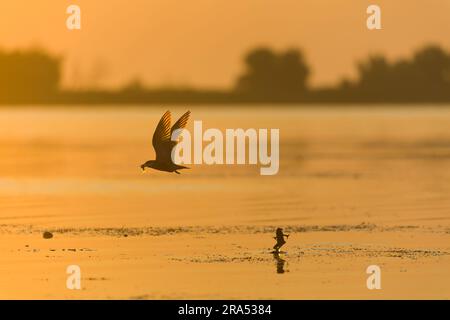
(143, 168)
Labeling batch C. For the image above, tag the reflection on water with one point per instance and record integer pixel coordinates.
(280, 262)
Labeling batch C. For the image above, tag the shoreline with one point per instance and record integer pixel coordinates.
(316, 265)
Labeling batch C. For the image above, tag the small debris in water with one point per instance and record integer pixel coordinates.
(47, 235)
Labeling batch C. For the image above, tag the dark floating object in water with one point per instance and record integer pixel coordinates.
(47, 235)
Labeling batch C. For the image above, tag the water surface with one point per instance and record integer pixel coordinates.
(79, 167)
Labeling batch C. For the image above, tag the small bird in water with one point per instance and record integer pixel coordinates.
(279, 236)
(163, 144)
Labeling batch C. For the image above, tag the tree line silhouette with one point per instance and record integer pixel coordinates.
(33, 77)
(28, 76)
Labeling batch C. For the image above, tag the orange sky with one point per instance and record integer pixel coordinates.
(201, 42)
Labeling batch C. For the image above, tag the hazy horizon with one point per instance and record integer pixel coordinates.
(202, 43)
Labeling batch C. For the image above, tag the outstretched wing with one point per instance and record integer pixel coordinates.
(161, 137)
(180, 124)
(162, 141)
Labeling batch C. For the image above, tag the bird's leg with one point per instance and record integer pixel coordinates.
(177, 172)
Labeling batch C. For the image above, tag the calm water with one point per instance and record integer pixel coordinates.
(80, 167)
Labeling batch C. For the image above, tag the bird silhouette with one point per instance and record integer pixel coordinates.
(163, 144)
